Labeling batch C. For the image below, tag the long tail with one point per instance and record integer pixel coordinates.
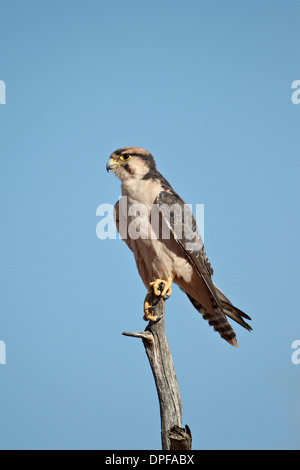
(231, 311)
(217, 319)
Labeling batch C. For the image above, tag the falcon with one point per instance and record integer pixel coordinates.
(150, 209)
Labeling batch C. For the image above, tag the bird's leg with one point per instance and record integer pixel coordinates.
(161, 288)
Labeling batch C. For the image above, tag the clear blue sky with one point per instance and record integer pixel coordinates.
(206, 87)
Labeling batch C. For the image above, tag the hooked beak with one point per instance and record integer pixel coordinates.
(111, 164)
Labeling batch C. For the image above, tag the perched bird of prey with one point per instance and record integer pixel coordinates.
(161, 260)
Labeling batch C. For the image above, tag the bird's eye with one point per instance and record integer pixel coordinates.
(124, 158)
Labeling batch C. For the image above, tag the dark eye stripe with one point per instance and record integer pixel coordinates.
(128, 169)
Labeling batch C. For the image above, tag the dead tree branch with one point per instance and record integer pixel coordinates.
(158, 352)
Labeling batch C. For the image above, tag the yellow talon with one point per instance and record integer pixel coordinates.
(148, 306)
(155, 287)
(167, 290)
(149, 317)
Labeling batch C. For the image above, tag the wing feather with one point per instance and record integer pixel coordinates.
(185, 232)
(183, 227)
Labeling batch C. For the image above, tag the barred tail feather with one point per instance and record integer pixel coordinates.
(231, 311)
(217, 318)
(218, 321)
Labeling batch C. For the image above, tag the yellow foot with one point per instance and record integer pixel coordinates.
(148, 307)
(160, 288)
(166, 290)
(149, 317)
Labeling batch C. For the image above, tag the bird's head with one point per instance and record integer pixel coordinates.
(131, 162)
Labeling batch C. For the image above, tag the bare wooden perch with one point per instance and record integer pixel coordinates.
(154, 338)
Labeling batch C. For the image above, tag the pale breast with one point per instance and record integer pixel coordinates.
(155, 258)
(160, 259)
